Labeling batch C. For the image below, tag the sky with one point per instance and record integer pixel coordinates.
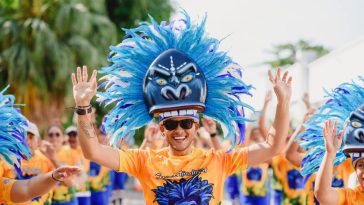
(252, 27)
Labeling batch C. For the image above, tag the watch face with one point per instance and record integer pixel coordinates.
(354, 131)
(173, 81)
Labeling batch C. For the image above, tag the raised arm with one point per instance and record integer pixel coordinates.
(324, 193)
(83, 92)
(263, 115)
(277, 134)
(25, 190)
(210, 126)
(292, 153)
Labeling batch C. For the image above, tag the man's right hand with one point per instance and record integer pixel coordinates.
(84, 90)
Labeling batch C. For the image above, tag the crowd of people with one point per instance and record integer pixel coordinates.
(184, 157)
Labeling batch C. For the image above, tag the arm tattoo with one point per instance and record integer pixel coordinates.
(88, 129)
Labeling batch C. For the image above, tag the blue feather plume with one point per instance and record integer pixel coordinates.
(12, 131)
(341, 102)
(129, 61)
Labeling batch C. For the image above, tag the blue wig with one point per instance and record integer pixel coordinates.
(12, 131)
(341, 102)
(129, 61)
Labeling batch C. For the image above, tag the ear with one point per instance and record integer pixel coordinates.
(161, 128)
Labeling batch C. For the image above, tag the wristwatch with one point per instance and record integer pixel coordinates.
(83, 110)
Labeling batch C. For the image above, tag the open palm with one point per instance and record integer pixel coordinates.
(66, 172)
(282, 86)
(332, 140)
(84, 90)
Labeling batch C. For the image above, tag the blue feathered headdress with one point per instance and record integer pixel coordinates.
(12, 131)
(342, 101)
(130, 60)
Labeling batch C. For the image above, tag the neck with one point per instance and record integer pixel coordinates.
(179, 152)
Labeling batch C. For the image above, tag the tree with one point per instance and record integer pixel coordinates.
(42, 41)
(285, 54)
(128, 13)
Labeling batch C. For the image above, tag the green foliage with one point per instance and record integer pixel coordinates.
(285, 54)
(42, 41)
(128, 13)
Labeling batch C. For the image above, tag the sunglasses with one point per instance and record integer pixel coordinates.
(173, 124)
(51, 134)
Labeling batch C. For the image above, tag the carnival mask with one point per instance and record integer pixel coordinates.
(174, 81)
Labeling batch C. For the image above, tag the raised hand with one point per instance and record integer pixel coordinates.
(209, 125)
(282, 86)
(152, 133)
(48, 149)
(306, 100)
(268, 97)
(66, 172)
(332, 140)
(84, 90)
(307, 115)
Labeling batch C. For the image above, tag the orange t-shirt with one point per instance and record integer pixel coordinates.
(255, 180)
(66, 156)
(36, 165)
(197, 177)
(5, 189)
(292, 181)
(349, 196)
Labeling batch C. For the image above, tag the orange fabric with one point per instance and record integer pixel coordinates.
(350, 197)
(341, 172)
(36, 165)
(5, 189)
(282, 168)
(255, 187)
(85, 164)
(66, 156)
(157, 169)
(277, 173)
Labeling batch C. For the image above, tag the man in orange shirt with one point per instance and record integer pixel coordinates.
(182, 73)
(36, 165)
(13, 148)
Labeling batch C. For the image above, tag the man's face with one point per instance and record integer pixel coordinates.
(359, 169)
(73, 140)
(32, 141)
(180, 139)
(55, 136)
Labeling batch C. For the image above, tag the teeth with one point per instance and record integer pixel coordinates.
(179, 138)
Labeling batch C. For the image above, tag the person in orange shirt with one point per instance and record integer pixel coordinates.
(254, 179)
(13, 149)
(83, 193)
(342, 116)
(184, 74)
(64, 193)
(16, 191)
(36, 165)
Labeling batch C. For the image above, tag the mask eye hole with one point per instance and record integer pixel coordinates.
(187, 78)
(161, 81)
(356, 124)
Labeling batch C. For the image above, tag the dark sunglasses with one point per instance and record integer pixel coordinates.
(51, 134)
(173, 124)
